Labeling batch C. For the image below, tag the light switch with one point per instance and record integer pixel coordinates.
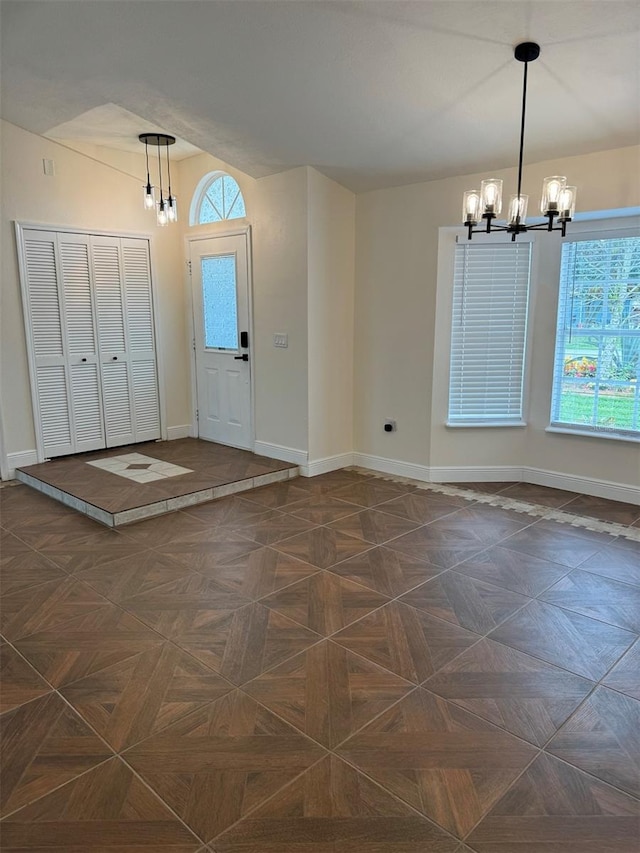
(281, 340)
(49, 168)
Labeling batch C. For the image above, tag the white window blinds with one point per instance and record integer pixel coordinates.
(488, 333)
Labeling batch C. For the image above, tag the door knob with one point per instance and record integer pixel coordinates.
(84, 359)
(243, 357)
(115, 358)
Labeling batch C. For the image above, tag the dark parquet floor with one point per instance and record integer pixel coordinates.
(340, 664)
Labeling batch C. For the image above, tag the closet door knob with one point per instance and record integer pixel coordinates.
(84, 359)
(115, 358)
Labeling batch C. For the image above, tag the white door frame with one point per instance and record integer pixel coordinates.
(22, 226)
(241, 231)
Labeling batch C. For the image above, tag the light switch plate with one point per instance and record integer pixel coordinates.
(281, 340)
(49, 168)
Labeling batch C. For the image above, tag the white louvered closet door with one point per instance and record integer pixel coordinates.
(89, 316)
(45, 324)
(81, 343)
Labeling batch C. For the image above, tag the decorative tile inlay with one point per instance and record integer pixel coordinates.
(327, 692)
(44, 744)
(554, 807)
(331, 808)
(526, 696)
(140, 468)
(107, 809)
(443, 761)
(221, 761)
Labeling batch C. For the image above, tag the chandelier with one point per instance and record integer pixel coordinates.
(558, 200)
(166, 208)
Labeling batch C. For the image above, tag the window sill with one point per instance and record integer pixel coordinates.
(485, 424)
(593, 433)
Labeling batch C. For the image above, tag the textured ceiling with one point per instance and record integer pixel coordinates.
(372, 94)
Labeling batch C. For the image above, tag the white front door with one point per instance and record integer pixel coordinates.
(220, 281)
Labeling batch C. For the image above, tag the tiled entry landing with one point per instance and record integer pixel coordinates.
(126, 484)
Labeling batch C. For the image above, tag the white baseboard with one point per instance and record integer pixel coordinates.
(277, 451)
(181, 431)
(583, 485)
(392, 466)
(328, 463)
(20, 460)
(478, 474)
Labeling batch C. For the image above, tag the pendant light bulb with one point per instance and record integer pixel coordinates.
(172, 208)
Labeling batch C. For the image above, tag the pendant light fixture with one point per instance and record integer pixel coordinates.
(558, 199)
(166, 208)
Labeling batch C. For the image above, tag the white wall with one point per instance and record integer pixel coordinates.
(84, 194)
(401, 343)
(331, 258)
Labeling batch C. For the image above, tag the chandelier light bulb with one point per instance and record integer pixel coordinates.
(552, 187)
(491, 196)
(172, 208)
(518, 209)
(162, 216)
(567, 204)
(471, 212)
(149, 197)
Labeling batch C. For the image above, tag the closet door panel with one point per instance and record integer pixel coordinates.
(140, 334)
(45, 326)
(81, 342)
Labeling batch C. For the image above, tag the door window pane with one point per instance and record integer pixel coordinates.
(219, 297)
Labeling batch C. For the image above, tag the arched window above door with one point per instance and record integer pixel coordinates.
(217, 198)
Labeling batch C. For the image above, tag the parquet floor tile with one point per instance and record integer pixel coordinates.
(86, 644)
(144, 694)
(332, 808)
(134, 575)
(423, 507)
(511, 570)
(388, 572)
(448, 764)
(44, 744)
(241, 644)
(524, 695)
(40, 607)
(156, 532)
(607, 510)
(327, 692)
(406, 641)
(554, 808)
(543, 495)
(228, 511)
(371, 492)
(43, 531)
(108, 810)
(625, 675)
(555, 542)
(597, 597)
(569, 640)
(26, 569)
(374, 526)
(19, 682)
(323, 547)
(324, 602)
(259, 573)
(96, 549)
(603, 738)
(272, 527)
(185, 603)
(619, 562)
(465, 601)
(440, 547)
(280, 494)
(219, 762)
(209, 547)
(321, 509)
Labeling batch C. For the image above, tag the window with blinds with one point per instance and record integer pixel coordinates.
(488, 333)
(596, 378)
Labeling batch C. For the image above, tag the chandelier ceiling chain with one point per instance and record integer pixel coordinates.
(558, 199)
(166, 209)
